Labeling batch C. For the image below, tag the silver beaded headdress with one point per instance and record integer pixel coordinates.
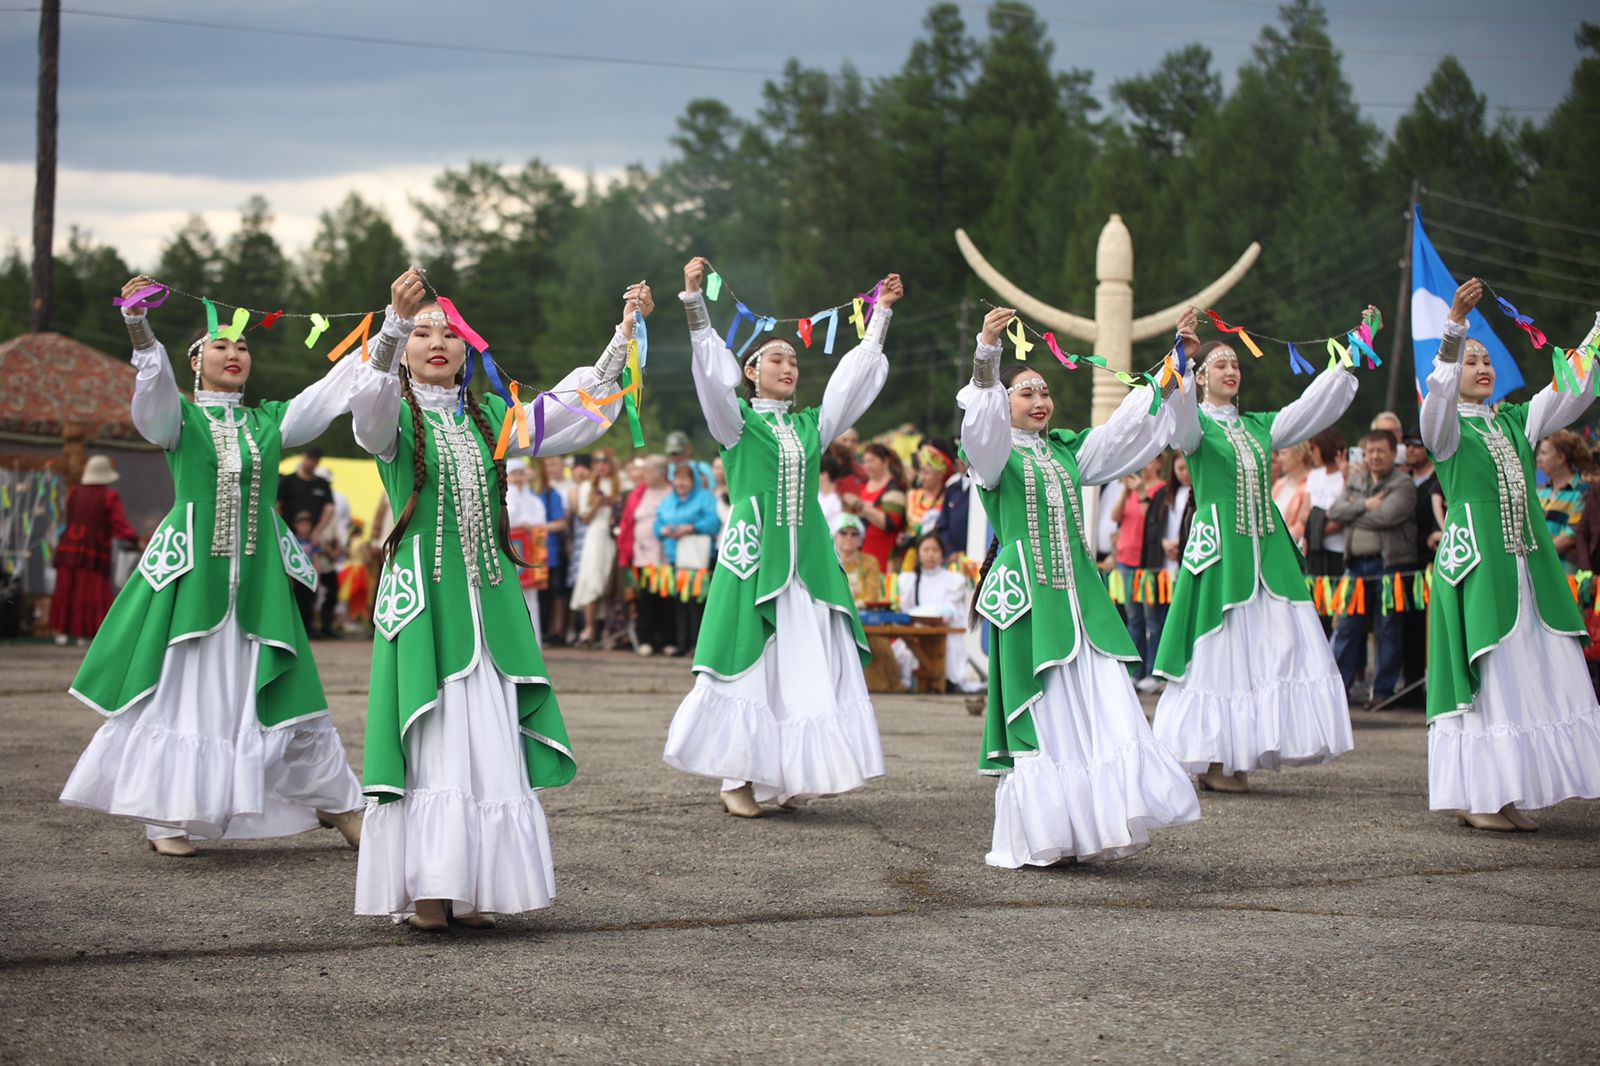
(768, 346)
(1028, 383)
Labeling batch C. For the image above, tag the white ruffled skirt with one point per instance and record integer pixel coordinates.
(1532, 736)
(192, 758)
(1099, 782)
(469, 828)
(798, 725)
(1261, 693)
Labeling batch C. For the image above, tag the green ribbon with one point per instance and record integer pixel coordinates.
(211, 318)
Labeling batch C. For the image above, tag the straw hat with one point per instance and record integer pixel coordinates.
(99, 471)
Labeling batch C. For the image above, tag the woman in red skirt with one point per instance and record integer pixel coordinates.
(83, 558)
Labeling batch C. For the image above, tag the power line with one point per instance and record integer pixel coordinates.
(718, 68)
(1434, 223)
(1431, 17)
(1297, 46)
(1523, 291)
(433, 44)
(1530, 219)
(1484, 257)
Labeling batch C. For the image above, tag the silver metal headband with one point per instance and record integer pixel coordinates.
(1028, 383)
(1214, 353)
(774, 343)
(432, 318)
(199, 345)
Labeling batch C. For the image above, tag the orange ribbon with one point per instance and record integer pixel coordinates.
(1399, 594)
(363, 333)
(515, 416)
(597, 406)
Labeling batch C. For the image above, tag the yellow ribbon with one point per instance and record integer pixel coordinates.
(515, 417)
(1019, 338)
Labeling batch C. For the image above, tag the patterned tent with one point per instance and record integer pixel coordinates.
(53, 379)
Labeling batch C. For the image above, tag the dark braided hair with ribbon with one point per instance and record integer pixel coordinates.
(419, 470)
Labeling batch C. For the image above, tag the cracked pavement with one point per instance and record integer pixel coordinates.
(1326, 917)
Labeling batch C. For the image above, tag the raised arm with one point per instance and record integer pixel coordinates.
(715, 371)
(1131, 437)
(1550, 410)
(1441, 429)
(566, 427)
(312, 411)
(1326, 399)
(860, 375)
(157, 406)
(986, 406)
(375, 389)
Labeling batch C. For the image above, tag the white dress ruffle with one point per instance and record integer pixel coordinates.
(470, 828)
(1262, 692)
(1532, 736)
(1099, 782)
(192, 758)
(797, 725)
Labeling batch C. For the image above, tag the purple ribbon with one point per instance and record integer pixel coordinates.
(140, 300)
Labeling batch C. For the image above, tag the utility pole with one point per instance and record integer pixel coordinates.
(1401, 323)
(41, 306)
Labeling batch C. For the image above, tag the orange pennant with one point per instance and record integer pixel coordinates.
(362, 332)
(515, 416)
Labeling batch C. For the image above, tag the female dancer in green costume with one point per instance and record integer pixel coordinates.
(779, 709)
(217, 725)
(1251, 681)
(1082, 776)
(1512, 719)
(462, 726)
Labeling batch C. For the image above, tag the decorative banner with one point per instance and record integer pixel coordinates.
(1299, 363)
(235, 330)
(1019, 338)
(857, 319)
(832, 315)
(1364, 347)
(1055, 349)
(1524, 323)
(144, 299)
(360, 333)
(319, 326)
(740, 314)
(713, 286)
(516, 418)
(270, 320)
(803, 328)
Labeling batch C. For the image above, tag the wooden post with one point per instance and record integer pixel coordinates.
(1402, 307)
(41, 306)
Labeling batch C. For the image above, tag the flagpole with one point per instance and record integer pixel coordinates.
(1402, 305)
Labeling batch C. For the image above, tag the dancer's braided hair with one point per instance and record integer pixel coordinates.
(419, 471)
(503, 522)
(419, 468)
(983, 575)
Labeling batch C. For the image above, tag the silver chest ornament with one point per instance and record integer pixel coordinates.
(1062, 513)
(791, 472)
(225, 434)
(1510, 485)
(462, 476)
(1253, 511)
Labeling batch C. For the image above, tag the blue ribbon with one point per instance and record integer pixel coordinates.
(490, 370)
(641, 335)
(762, 325)
(1183, 357)
(1299, 363)
(1373, 362)
(740, 313)
(833, 327)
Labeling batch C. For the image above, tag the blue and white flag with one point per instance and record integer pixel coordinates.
(1432, 289)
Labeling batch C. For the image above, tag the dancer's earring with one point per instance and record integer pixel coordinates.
(197, 376)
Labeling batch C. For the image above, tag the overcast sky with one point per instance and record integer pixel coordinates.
(160, 120)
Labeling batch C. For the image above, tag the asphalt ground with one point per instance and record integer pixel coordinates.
(1326, 917)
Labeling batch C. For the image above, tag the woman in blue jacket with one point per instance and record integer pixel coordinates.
(688, 511)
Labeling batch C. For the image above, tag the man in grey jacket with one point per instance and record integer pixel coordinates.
(1377, 510)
